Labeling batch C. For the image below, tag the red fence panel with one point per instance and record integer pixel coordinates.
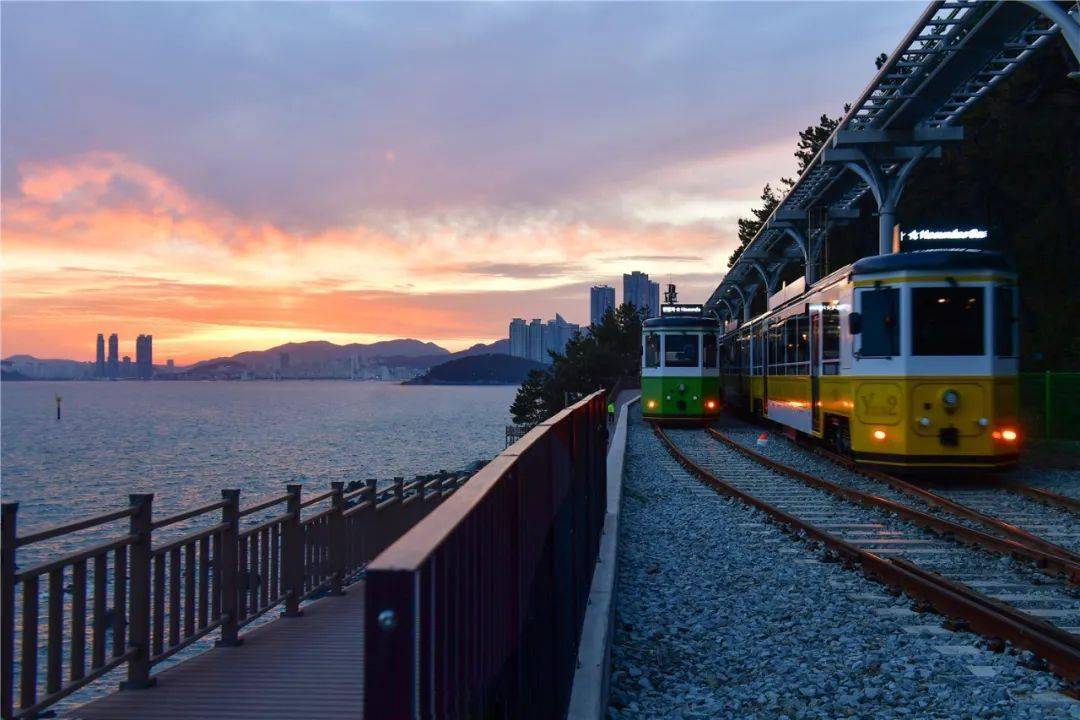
(476, 611)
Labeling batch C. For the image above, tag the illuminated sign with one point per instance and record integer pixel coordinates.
(954, 234)
(681, 309)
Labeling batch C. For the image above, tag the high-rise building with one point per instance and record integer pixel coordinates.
(170, 364)
(557, 333)
(536, 341)
(125, 368)
(144, 357)
(519, 338)
(601, 299)
(113, 367)
(99, 358)
(639, 292)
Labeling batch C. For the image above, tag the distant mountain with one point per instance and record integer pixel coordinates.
(322, 352)
(486, 369)
(499, 347)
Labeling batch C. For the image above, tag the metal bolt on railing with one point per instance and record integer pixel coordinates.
(387, 620)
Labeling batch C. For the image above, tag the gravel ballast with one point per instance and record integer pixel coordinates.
(1057, 525)
(719, 614)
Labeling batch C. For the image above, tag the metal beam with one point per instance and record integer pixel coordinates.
(890, 154)
(916, 136)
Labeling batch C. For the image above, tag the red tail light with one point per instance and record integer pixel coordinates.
(1008, 435)
(710, 404)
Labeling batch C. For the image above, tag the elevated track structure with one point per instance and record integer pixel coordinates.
(952, 57)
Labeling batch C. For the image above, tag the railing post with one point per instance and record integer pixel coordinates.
(228, 570)
(338, 540)
(7, 608)
(142, 525)
(421, 486)
(371, 485)
(292, 555)
(399, 488)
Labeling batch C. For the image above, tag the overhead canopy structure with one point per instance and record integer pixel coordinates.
(949, 60)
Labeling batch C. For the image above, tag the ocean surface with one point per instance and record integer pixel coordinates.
(185, 441)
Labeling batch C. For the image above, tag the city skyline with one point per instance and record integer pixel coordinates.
(174, 198)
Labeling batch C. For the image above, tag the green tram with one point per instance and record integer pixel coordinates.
(680, 375)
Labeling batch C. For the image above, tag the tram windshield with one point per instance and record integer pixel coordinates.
(947, 321)
(680, 350)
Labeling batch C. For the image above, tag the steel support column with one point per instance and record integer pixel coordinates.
(745, 303)
(887, 189)
(764, 277)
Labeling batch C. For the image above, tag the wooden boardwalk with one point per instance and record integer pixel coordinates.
(292, 668)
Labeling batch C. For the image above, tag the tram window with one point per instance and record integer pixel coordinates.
(830, 334)
(709, 349)
(947, 321)
(652, 350)
(802, 342)
(680, 350)
(776, 349)
(1004, 322)
(758, 351)
(881, 322)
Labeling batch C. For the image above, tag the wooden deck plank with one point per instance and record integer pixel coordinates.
(290, 668)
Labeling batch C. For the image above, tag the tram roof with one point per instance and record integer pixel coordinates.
(659, 323)
(938, 259)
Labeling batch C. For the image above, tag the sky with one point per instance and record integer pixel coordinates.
(235, 176)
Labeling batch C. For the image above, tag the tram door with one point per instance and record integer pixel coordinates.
(815, 367)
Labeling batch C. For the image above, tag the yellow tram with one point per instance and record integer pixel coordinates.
(906, 360)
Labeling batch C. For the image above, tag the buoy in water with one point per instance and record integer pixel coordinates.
(763, 439)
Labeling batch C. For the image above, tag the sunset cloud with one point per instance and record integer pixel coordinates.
(229, 176)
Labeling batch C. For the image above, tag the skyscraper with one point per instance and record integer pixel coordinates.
(144, 357)
(113, 368)
(557, 333)
(99, 361)
(601, 299)
(536, 341)
(519, 338)
(639, 292)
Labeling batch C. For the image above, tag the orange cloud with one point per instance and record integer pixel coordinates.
(98, 243)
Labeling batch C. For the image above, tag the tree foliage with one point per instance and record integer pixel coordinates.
(610, 351)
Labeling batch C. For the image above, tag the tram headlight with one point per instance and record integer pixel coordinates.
(651, 404)
(950, 399)
(879, 435)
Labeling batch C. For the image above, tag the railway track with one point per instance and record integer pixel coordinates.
(990, 584)
(968, 524)
(1030, 515)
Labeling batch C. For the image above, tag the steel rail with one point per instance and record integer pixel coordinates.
(1051, 499)
(956, 508)
(982, 614)
(1048, 562)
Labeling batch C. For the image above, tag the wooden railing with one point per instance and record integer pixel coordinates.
(67, 621)
(476, 611)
